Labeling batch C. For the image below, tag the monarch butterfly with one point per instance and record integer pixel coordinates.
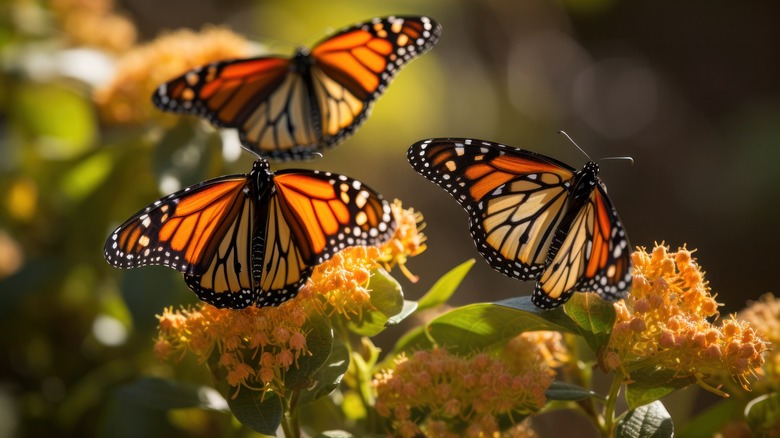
(291, 108)
(533, 217)
(252, 239)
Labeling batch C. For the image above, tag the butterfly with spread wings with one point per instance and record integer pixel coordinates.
(292, 108)
(533, 217)
(252, 239)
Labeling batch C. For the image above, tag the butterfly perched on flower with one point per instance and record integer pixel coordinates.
(252, 238)
(292, 108)
(533, 217)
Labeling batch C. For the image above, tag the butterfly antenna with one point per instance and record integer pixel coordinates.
(586, 154)
(631, 159)
(575, 144)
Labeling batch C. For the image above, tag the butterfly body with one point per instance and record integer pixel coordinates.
(533, 217)
(252, 239)
(292, 108)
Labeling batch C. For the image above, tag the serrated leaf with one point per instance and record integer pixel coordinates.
(650, 384)
(445, 286)
(262, 414)
(480, 326)
(648, 421)
(319, 341)
(563, 391)
(329, 376)
(387, 298)
(593, 316)
(763, 414)
(167, 394)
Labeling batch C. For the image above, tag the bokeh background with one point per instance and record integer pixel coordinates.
(689, 89)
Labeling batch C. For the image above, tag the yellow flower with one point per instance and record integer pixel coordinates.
(664, 322)
(764, 316)
(94, 23)
(454, 393)
(127, 99)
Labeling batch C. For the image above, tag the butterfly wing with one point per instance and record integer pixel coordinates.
(306, 218)
(264, 98)
(516, 199)
(352, 68)
(593, 257)
(292, 108)
(203, 230)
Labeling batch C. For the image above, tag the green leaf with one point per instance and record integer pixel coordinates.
(387, 298)
(262, 414)
(328, 377)
(713, 419)
(651, 384)
(648, 421)
(594, 318)
(319, 341)
(569, 392)
(480, 326)
(414, 339)
(408, 309)
(763, 414)
(445, 286)
(62, 122)
(90, 173)
(167, 394)
(556, 317)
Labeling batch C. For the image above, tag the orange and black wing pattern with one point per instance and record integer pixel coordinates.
(202, 231)
(594, 256)
(352, 68)
(515, 199)
(533, 217)
(292, 108)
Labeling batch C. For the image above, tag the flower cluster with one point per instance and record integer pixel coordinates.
(764, 316)
(408, 241)
(256, 346)
(663, 322)
(457, 395)
(94, 23)
(532, 348)
(127, 99)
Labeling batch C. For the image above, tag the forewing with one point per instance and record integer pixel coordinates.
(182, 231)
(515, 198)
(353, 67)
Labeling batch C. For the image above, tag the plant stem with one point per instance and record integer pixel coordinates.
(609, 410)
(291, 424)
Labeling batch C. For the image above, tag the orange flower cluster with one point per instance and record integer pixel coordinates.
(256, 346)
(454, 393)
(663, 322)
(764, 316)
(127, 99)
(408, 241)
(94, 23)
(531, 348)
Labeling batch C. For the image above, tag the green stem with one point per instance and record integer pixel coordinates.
(609, 410)
(291, 424)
